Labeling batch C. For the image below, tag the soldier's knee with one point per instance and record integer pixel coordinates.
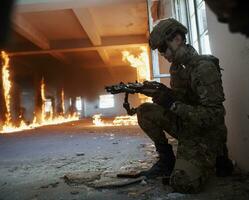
(186, 177)
(143, 110)
(149, 115)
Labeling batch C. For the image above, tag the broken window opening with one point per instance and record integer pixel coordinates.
(106, 101)
(78, 104)
(48, 106)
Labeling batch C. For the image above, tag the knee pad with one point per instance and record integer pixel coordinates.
(186, 177)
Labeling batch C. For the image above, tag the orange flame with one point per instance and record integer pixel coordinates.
(51, 120)
(6, 86)
(43, 113)
(141, 63)
(124, 120)
(97, 121)
(8, 127)
(63, 101)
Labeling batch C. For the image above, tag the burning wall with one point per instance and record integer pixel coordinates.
(87, 82)
(41, 116)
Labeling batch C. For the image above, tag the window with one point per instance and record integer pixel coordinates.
(48, 106)
(192, 13)
(78, 104)
(70, 101)
(106, 101)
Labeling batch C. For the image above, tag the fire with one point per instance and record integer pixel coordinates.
(8, 125)
(140, 62)
(52, 120)
(43, 113)
(97, 121)
(6, 86)
(63, 101)
(124, 120)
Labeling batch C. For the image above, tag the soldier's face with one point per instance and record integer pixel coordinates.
(168, 51)
(167, 54)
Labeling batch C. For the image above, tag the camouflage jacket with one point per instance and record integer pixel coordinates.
(198, 90)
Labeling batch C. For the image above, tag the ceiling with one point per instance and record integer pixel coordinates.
(87, 33)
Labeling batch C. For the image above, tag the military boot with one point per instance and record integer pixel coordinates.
(165, 165)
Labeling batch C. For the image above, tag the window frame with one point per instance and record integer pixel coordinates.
(177, 6)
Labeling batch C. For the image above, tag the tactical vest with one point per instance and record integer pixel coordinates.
(180, 81)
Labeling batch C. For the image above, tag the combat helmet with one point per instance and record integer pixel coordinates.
(164, 30)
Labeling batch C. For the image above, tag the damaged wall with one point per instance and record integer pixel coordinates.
(233, 51)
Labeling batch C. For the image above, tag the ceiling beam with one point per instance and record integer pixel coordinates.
(25, 29)
(115, 42)
(106, 41)
(88, 24)
(22, 27)
(93, 48)
(46, 5)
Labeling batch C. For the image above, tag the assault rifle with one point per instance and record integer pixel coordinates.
(148, 88)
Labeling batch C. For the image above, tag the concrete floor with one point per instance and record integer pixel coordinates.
(33, 163)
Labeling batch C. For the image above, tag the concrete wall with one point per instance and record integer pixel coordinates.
(88, 83)
(28, 102)
(92, 107)
(233, 52)
(97, 79)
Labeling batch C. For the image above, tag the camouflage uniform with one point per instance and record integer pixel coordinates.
(196, 119)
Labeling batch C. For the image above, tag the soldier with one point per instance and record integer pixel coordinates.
(231, 12)
(191, 111)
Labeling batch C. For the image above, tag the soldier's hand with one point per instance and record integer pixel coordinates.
(164, 97)
(153, 84)
(149, 88)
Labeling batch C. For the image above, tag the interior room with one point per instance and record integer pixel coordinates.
(64, 136)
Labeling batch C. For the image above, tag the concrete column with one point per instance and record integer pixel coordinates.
(16, 111)
(72, 108)
(38, 98)
(59, 106)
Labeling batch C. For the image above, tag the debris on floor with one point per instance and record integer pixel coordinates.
(81, 177)
(33, 162)
(115, 183)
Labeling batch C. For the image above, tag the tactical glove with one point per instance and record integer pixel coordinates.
(164, 97)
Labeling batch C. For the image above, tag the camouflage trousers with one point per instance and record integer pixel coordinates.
(197, 148)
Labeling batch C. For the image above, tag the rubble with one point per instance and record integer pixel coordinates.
(51, 185)
(175, 195)
(93, 176)
(139, 192)
(74, 192)
(117, 182)
(80, 154)
(81, 177)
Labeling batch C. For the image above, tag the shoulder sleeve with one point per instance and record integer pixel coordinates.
(207, 84)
